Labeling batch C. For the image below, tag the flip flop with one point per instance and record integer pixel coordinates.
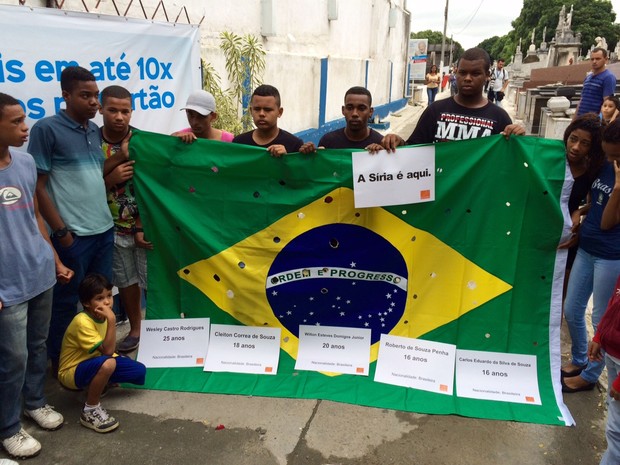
(567, 389)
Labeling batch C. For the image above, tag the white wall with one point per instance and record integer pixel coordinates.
(297, 79)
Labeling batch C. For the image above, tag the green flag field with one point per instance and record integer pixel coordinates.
(235, 232)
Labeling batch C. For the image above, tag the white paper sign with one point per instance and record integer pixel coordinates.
(174, 343)
(415, 363)
(334, 349)
(243, 349)
(497, 376)
(404, 177)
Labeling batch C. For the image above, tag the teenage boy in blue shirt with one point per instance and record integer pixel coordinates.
(29, 268)
(72, 195)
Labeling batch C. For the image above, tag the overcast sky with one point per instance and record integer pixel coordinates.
(472, 21)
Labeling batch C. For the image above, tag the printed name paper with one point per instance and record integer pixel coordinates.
(497, 376)
(334, 349)
(174, 343)
(404, 177)
(243, 349)
(415, 363)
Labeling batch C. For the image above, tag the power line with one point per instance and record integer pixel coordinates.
(470, 19)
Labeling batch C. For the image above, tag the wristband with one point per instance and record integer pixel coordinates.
(61, 232)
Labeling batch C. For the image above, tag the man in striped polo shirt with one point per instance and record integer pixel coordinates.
(598, 84)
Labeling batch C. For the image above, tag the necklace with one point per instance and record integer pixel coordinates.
(118, 141)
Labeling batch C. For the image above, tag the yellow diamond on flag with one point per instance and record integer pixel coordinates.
(420, 284)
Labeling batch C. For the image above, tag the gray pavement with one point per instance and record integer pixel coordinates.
(160, 427)
(173, 428)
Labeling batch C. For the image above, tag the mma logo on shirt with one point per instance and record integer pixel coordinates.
(461, 127)
(9, 195)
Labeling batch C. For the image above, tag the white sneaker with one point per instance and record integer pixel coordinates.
(99, 420)
(8, 462)
(21, 445)
(46, 417)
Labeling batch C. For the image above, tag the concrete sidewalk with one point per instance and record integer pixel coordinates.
(172, 428)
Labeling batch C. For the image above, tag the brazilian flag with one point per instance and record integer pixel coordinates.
(240, 237)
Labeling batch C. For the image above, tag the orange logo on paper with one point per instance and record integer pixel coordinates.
(529, 399)
(443, 388)
(268, 369)
(200, 361)
(359, 370)
(425, 194)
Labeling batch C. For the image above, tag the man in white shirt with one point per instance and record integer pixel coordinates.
(498, 84)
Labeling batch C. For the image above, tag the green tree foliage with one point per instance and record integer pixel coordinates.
(592, 18)
(435, 37)
(488, 44)
(495, 46)
(225, 102)
(245, 64)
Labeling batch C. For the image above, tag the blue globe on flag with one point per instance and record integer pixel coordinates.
(338, 275)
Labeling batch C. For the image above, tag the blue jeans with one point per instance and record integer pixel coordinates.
(87, 254)
(590, 276)
(612, 454)
(431, 94)
(23, 359)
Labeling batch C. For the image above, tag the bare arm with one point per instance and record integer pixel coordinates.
(48, 210)
(46, 206)
(374, 148)
(308, 147)
(119, 157)
(109, 342)
(110, 163)
(573, 240)
(277, 150)
(391, 141)
(63, 274)
(505, 85)
(138, 237)
(186, 137)
(513, 129)
(611, 214)
(594, 351)
(121, 173)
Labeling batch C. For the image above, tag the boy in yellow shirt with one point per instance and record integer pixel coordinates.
(87, 357)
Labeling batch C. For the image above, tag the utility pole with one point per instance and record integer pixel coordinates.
(451, 49)
(443, 38)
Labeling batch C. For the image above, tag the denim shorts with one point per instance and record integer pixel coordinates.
(127, 371)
